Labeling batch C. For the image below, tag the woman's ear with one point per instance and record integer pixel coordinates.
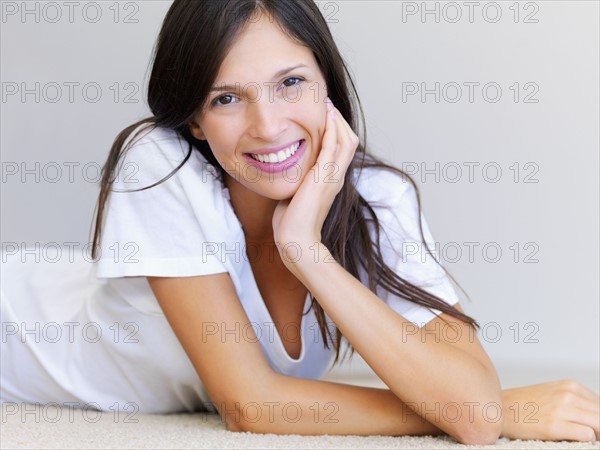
(196, 131)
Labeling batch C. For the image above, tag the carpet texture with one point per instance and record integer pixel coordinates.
(53, 427)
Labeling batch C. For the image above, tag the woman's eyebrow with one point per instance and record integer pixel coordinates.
(229, 87)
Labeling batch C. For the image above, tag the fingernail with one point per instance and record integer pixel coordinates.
(329, 104)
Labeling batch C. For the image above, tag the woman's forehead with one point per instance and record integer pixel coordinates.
(263, 51)
(261, 40)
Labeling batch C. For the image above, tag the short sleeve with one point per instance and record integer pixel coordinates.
(395, 204)
(167, 229)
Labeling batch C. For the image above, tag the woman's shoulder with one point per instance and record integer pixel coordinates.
(151, 153)
(150, 140)
(382, 186)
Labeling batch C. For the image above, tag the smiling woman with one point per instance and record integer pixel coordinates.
(253, 143)
(280, 103)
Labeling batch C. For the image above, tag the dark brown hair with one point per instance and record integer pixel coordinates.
(193, 42)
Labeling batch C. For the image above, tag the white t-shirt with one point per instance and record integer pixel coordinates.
(82, 333)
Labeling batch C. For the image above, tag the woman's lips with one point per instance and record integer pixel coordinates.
(265, 151)
(278, 166)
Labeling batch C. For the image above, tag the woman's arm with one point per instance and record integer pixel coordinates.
(250, 396)
(315, 407)
(419, 365)
(440, 370)
(205, 312)
(555, 411)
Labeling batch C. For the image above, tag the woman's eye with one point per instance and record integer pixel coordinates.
(228, 99)
(293, 84)
(219, 102)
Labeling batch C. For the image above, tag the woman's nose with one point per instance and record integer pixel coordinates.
(266, 119)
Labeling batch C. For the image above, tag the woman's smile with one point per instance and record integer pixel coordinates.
(279, 161)
(276, 154)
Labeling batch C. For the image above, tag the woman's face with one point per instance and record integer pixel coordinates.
(265, 109)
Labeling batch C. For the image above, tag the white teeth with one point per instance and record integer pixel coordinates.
(280, 156)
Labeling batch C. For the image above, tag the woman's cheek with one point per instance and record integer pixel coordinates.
(315, 124)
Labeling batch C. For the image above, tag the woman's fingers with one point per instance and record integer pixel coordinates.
(573, 432)
(574, 386)
(578, 395)
(348, 142)
(587, 393)
(589, 405)
(337, 146)
(580, 419)
(587, 418)
(345, 130)
(566, 410)
(330, 138)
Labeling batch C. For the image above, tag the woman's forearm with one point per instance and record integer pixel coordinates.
(314, 407)
(416, 370)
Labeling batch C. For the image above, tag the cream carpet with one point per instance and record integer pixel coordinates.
(35, 427)
(51, 427)
(182, 431)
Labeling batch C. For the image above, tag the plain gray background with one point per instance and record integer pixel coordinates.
(532, 114)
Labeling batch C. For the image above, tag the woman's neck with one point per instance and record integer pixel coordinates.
(254, 211)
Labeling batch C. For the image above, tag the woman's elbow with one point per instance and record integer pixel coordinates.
(242, 424)
(248, 413)
(485, 423)
(483, 433)
(481, 422)
(239, 412)
(231, 416)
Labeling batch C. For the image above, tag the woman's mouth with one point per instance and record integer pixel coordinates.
(280, 160)
(280, 156)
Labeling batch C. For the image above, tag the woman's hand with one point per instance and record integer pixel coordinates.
(555, 411)
(300, 219)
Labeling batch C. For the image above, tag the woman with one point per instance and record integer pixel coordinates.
(245, 236)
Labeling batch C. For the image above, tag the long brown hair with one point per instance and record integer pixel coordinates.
(193, 42)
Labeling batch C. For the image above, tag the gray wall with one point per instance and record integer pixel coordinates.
(532, 115)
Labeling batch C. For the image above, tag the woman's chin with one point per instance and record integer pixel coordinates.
(282, 191)
(277, 191)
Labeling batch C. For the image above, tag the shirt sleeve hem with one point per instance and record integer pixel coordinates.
(159, 267)
(421, 315)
